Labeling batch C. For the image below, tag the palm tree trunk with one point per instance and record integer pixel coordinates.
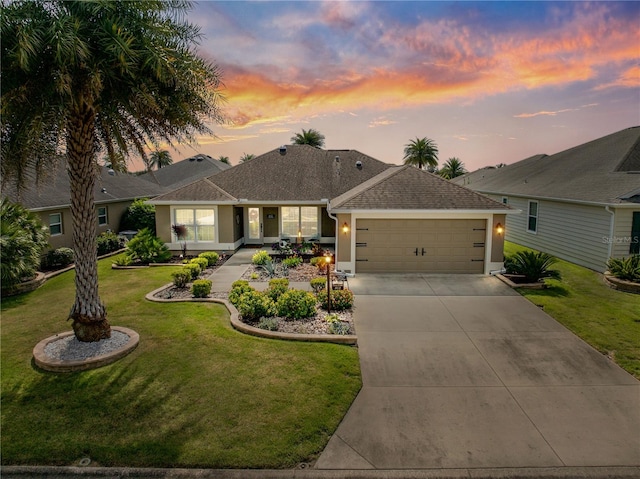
(88, 313)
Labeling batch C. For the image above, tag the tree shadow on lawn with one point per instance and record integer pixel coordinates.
(113, 415)
(553, 290)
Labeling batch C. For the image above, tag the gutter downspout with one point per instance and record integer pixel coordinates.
(611, 228)
(334, 218)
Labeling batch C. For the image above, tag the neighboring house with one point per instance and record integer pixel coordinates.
(185, 171)
(113, 193)
(582, 204)
(380, 217)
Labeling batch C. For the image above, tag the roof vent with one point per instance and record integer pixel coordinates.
(193, 158)
(337, 159)
(283, 150)
(200, 158)
(359, 164)
(103, 190)
(111, 172)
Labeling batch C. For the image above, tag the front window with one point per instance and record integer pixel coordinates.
(199, 222)
(55, 224)
(102, 216)
(299, 218)
(532, 223)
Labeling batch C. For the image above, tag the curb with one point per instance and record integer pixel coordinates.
(46, 472)
(253, 331)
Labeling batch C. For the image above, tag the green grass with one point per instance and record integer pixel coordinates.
(195, 393)
(607, 319)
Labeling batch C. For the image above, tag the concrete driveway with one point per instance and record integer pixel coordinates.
(460, 372)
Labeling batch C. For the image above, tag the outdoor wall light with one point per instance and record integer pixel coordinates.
(345, 228)
(499, 228)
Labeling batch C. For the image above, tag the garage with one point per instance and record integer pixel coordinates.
(420, 245)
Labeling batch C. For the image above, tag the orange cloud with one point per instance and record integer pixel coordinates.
(630, 78)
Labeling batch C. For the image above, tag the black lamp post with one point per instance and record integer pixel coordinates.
(327, 258)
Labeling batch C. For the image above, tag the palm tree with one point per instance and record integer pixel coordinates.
(421, 153)
(224, 159)
(103, 76)
(160, 159)
(309, 137)
(452, 168)
(246, 157)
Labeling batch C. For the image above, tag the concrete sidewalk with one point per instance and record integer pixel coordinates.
(478, 381)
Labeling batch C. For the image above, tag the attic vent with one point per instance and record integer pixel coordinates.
(283, 150)
(192, 158)
(200, 159)
(359, 164)
(337, 159)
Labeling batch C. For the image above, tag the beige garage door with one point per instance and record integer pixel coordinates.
(425, 246)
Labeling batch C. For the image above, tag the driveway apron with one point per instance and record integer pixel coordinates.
(462, 372)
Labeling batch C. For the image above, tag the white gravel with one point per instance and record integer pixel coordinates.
(70, 349)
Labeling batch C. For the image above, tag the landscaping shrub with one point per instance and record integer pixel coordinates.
(532, 265)
(211, 256)
(22, 239)
(627, 269)
(139, 215)
(270, 268)
(292, 262)
(108, 242)
(122, 260)
(319, 262)
(260, 258)
(58, 258)
(341, 299)
(339, 328)
(146, 247)
(202, 262)
(193, 269)
(296, 304)
(277, 287)
(270, 324)
(318, 284)
(253, 305)
(181, 278)
(238, 288)
(201, 288)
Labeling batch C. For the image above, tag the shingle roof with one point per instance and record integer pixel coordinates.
(408, 188)
(604, 171)
(301, 173)
(186, 171)
(53, 190)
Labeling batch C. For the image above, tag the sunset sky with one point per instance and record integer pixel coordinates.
(489, 82)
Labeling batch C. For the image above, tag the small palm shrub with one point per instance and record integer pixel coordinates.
(146, 247)
(292, 262)
(211, 256)
(181, 278)
(193, 269)
(318, 284)
(201, 288)
(253, 305)
(108, 242)
(260, 258)
(296, 304)
(22, 239)
(277, 287)
(627, 269)
(341, 299)
(58, 258)
(238, 288)
(202, 262)
(533, 265)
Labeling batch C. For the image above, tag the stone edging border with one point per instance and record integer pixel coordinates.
(26, 286)
(234, 315)
(60, 366)
(513, 285)
(621, 284)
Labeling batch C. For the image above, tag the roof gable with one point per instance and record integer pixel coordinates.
(409, 188)
(186, 171)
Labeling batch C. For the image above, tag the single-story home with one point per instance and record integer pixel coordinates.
(113, 193)
(581, 205)
(186, 171)
(380, 217)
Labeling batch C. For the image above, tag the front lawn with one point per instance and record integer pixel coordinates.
(607, 319)
(195, 393)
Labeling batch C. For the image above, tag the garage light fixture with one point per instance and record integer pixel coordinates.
(345, 228)
(499, 228)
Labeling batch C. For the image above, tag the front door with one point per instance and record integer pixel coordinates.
(253, 231)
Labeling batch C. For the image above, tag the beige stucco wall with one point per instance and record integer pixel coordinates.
(163, 223)
(497, 240)
(344, 239)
